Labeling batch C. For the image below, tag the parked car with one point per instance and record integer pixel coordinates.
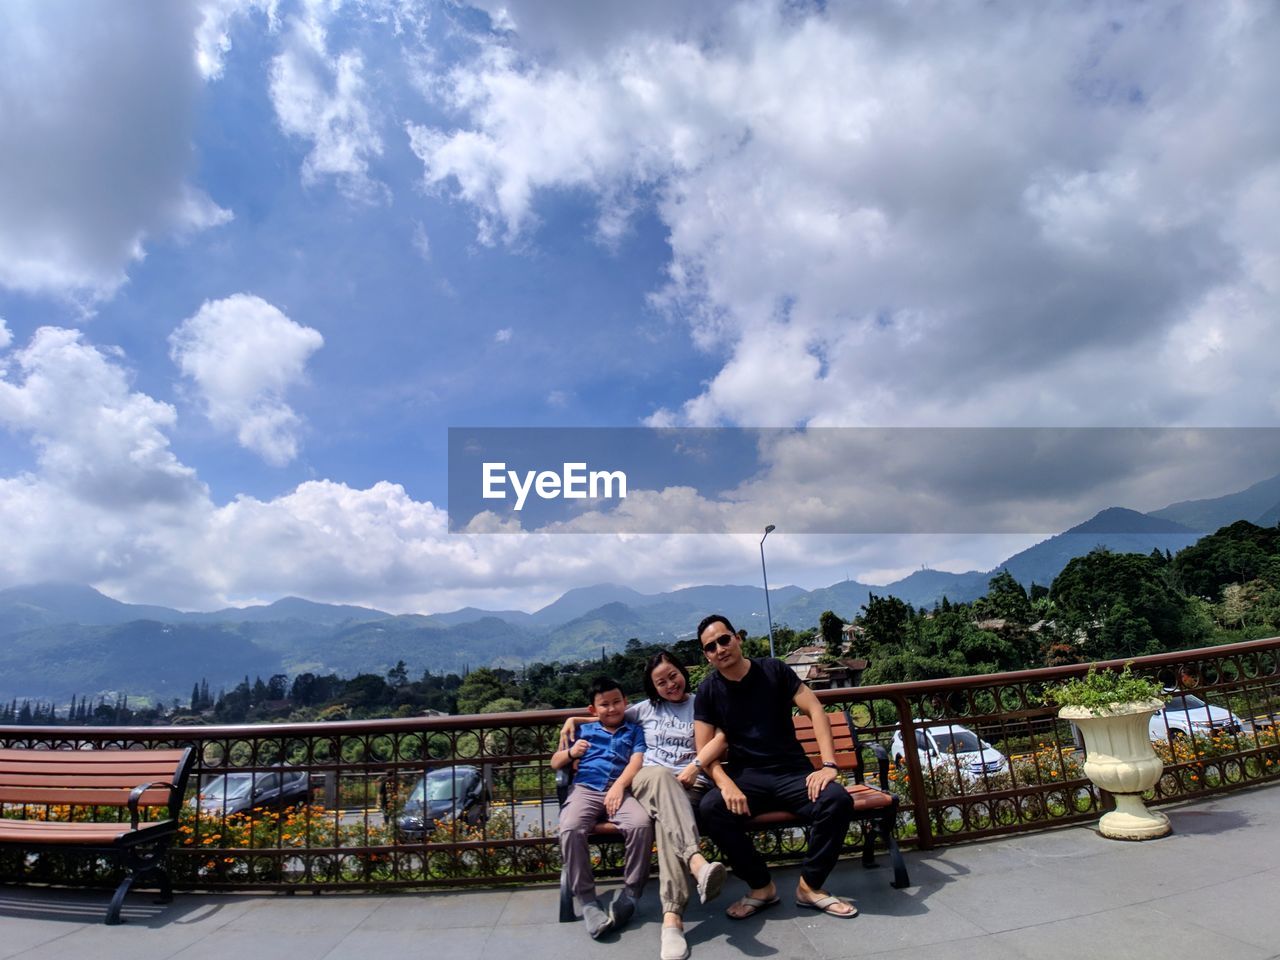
(241, 792)
(942, 745)
(446, 792)
(1186, 715)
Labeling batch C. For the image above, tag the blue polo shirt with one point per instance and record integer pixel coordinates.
(607, 753)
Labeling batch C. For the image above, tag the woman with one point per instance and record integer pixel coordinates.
(669, 786)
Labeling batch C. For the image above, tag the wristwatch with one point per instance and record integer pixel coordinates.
(697, 763)
(831, 765)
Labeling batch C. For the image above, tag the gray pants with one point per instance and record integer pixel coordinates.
(580, 813)
(664, 799)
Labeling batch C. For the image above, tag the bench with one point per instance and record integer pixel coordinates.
(93, 779)
(878, 808)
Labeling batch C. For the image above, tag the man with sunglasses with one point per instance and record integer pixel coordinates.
(751, 700)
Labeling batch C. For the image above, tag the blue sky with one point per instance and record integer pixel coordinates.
(258, 256)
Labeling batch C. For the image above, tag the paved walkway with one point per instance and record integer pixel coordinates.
(1211, 890)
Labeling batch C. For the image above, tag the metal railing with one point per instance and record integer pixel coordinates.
(346, 816)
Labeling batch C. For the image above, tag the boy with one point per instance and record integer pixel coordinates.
(609, 753)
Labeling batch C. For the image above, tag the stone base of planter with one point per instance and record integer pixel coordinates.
(1131, 820)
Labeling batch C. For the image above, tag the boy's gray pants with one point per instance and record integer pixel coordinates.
(580, 813)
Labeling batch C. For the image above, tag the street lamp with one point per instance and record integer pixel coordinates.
(765, 573)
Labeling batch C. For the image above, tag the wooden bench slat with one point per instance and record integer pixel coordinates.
(68, 834)
(171, 757)
(51, 781)
(80, 797)
(144, 771)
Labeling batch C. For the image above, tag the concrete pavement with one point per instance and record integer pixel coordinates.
(1211, 890)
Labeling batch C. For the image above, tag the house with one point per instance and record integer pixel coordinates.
(806, 662)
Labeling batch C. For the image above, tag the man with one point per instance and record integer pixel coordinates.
(766, 769)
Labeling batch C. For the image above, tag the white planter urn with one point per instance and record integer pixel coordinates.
(1122, 762)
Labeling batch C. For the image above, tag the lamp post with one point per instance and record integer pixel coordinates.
(765, 573)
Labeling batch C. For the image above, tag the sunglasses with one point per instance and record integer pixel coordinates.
(723, 640)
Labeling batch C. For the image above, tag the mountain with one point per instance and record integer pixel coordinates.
(45, 604)
(1258, 504)
(59, 639)
(143, 657)
(582, 600)
(1119, 530)
(290, 608)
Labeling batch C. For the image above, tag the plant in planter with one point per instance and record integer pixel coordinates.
(1112, 711)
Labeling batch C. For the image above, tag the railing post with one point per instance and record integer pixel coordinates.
(915, 775)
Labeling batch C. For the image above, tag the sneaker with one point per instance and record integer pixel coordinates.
(674, 945)
(621, 910)
(711, 881)
(596, 920)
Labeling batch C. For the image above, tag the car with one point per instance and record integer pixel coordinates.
(1186, 715)
(241, 792)
(457, 792)
(941, 745)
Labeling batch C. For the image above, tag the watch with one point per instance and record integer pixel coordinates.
(831, 765)
(697, 763)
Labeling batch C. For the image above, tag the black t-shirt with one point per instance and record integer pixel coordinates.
(755, 715)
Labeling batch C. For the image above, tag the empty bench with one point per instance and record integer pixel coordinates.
(33, 781)
(875, 807)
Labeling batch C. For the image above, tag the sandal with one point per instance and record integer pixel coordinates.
(825, 904)
(755, 903)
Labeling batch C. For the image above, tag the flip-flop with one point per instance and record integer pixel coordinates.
(755, 903)
(711, 881)
(824, 904)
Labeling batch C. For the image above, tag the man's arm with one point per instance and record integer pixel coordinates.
(704, 734)
(809, 705)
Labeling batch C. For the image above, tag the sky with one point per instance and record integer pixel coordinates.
(258, 257)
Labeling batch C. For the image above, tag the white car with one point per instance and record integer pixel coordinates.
(1187, 715)
(947, 744)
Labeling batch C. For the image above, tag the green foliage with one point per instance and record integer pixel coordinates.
(831, 628)
(1005, 599)
(1114, 605)
(1235, 554)
(1101, 689)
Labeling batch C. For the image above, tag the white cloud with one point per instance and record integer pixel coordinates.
(422, 242)
(95, 438)
(1025, 215)
(243, 355)
(323, 98)
(6, 337)
(95, 146)
(503, 335)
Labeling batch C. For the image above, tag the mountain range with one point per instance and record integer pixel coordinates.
(59, 640)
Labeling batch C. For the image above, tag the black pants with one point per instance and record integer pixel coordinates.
(768, 790)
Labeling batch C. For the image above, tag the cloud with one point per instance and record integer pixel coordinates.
(96, 439)
(6, 337)
(322, 98)
(503, 335)
(1023, 216)
(95, 148)
(243, 355)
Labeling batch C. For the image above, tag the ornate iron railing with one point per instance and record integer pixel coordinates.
(346, 820)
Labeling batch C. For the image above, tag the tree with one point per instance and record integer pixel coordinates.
(1005, 599)
(482, 686)
(1114, 605)
(398, 676)
(831, 628)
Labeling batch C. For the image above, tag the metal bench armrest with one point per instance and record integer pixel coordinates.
(135, 795)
